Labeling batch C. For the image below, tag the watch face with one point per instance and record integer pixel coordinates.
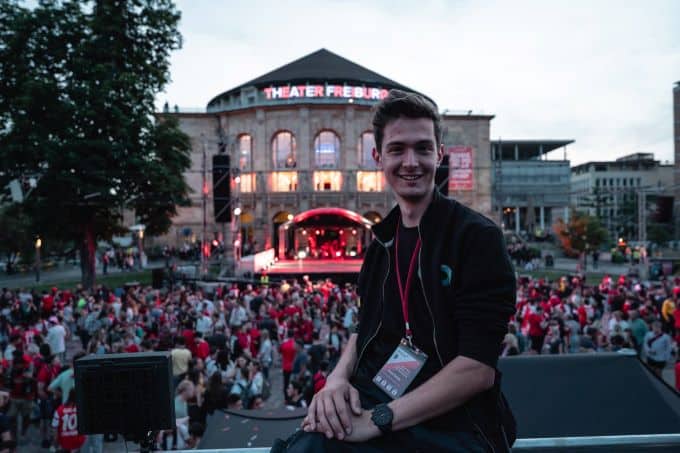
(382, 416)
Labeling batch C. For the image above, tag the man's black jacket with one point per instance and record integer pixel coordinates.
(468, 284)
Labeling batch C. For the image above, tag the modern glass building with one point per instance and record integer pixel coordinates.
(530, 191)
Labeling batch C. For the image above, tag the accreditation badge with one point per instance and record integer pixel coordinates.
(400, 370)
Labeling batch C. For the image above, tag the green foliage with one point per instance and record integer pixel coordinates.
(78, 81)
(534, 252)
(659, 233)
(618, 257)
(16, 239)
(583, 233)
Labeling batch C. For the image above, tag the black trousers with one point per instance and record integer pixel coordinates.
(416, 439)
(286, 381)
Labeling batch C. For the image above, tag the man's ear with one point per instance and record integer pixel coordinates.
(440, 155)
(377, 158)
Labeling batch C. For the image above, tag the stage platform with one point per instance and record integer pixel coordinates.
(587, 403)
(338, 270)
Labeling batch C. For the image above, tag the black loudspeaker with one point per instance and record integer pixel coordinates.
(157, 276)
(221, 188)
(441, 176)
(128, 394)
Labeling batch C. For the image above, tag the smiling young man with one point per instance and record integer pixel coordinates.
(437, 289)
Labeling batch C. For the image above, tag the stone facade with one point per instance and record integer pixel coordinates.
(305, 121)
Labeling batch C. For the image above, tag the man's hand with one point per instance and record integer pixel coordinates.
(363, 428)
(333, 409)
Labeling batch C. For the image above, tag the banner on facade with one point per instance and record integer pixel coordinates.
(461, 174)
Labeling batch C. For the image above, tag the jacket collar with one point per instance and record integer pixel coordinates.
(384, 231)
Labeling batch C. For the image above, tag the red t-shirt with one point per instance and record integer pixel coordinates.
(132, 347)
(188, 335)
(582, 315)
(319, 381)
(46, 373)
(65, 421)
(535, 329)
(202, 349)
(287, 349)
(29, 334)
(47, 303)
(290, 310)
(677, 376)
(254, 341)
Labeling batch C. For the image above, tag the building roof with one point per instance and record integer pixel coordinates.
(632, 162)
(322, 66)
(528, 149)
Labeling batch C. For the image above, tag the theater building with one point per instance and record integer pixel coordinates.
(300, 138)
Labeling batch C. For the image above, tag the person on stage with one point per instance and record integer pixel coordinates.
(437, 289)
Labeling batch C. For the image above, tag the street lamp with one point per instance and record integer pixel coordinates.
(237, 242)
(141, 248)
(38, 245)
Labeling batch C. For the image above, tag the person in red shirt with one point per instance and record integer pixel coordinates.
(288, 351)
(677, 375)
(65, 422)
(22, 390)
(188, 334)
(47, 303)
(202, 346)
(319, 378)
(306, 329)
(254, 334)
(48, 367)
(130, 344)
(537, 329)
(243, 337)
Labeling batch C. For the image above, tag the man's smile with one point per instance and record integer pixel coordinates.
(410, 177)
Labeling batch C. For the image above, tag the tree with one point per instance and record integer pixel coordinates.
(77, 89)
(582, 233)
(16, 239)
(659, 234)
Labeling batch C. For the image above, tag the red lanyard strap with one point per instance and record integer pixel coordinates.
(404, 292)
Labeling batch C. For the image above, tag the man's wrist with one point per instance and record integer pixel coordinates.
(336, 375)
(383, 418)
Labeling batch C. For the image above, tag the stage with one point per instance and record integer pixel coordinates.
(588, 403)
(340, 270)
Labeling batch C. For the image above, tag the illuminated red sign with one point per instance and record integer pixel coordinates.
(324, 91)
(461, 174)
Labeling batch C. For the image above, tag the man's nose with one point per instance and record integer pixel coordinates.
(410, 158)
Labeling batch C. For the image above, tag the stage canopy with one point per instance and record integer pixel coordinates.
(328, 217)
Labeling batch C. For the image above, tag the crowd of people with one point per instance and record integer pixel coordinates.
(224, 341)
(616, 314)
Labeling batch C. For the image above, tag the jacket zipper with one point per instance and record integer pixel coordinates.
(427, 303)
(356, 364)
(486, 439)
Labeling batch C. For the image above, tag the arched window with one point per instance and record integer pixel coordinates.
(284, 150)
(366, 145)
(245, 152)
(326, 149)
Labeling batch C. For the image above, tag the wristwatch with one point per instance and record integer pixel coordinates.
(382, 418)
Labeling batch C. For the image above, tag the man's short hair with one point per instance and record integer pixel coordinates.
(400, 103)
